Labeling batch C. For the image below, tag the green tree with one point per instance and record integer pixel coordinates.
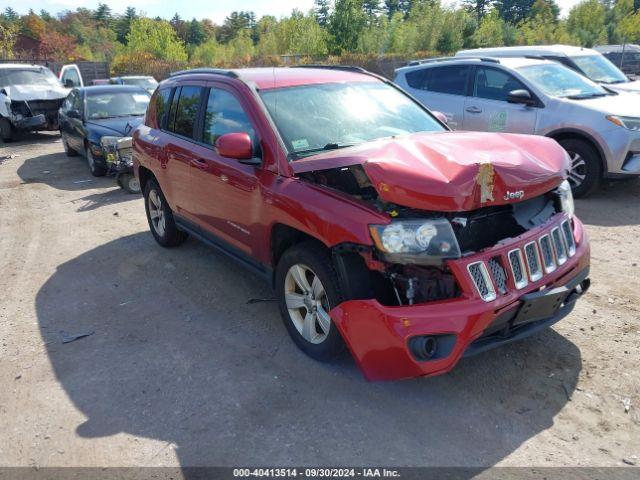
(514, 11)
(321, 9)
(491, 30)
(346, 23)
(587, 23)
(195, 33)
(10, 15)
(8, 37)
(123, 25)
(103, 16)
(478, 7)
(629, 27)
(156, 37)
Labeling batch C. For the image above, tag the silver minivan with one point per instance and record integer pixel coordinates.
(599, 128)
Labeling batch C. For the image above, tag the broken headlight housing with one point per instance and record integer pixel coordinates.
(117, 150)
(565, 196)
(422, 242)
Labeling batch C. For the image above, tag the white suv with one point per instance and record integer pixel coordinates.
(588, 62)
(599, 128)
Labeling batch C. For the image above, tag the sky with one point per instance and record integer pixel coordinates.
(215, 10)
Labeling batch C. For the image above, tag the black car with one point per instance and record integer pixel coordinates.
(94, 119)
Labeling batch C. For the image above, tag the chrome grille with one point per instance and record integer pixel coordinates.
(568, 236)
(548, 261)
(533, 261)
(481, 280)
(517, 268)
(499, 274)
(558, 245)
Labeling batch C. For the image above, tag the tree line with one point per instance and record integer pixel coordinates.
(338, 28)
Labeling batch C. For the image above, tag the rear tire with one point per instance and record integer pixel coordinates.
(6, 130)
(307, 288)
(67, 149)
(160, 217)
(586, 167)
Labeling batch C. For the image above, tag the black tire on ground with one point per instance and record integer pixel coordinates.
(96, 169)
(169, 235)
(67, 149)
(314, 256)
(129, 182)
(590, 167)
(6, 130)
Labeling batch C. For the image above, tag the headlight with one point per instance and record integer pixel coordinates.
(108, 144)
(416, 241)
(566, 198)
(630, 123)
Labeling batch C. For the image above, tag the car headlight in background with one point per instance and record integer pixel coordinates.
(426, 242)
(565, 195)
(630, 123)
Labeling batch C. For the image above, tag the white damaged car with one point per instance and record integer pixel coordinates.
(30, 97)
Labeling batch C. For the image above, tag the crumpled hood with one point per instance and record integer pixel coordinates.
(453, 171)
(123, 126)
(633, 87)
(36, 92)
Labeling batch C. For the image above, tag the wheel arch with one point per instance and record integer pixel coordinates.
(571, 133)
(144, 175)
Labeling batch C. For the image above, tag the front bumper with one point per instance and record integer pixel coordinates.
(623, 157)
(37, 122)
(379, 337)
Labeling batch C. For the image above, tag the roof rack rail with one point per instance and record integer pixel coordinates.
(445, 59)
(215, 71)
(348, 68)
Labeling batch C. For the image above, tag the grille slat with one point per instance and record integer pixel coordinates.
(533, 261)
(568, 237)
(558, 245)
(499, 274)
(481, 280)
(548, 261)
(517, 268)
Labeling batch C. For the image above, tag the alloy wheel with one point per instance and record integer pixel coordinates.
(156, 213)
(578, 171)
(307, 303)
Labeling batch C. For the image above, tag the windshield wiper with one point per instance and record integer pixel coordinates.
(328, 146)
(585, 96)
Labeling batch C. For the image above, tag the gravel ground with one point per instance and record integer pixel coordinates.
(181, 371)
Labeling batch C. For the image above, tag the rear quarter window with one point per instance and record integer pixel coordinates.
(451, 79)
(161, 107)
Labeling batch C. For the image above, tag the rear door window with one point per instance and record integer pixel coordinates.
(184, 110)
(450, 79)
(419, 79)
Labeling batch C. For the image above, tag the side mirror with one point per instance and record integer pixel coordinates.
(68, 83)
(520, 96)
(235, 145)
(73, 114)
(440, 116)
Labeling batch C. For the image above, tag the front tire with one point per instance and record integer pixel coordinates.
(129, 182)
(96, 169)
(160, 217)
(307, 289)
(6, 130)
(586, 167)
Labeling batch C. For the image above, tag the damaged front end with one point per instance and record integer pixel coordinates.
(414, 306)
(35, 114)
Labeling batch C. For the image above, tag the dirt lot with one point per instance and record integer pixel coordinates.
(182, 371)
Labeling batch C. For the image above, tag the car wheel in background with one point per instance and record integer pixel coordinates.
(67, 149)
(6, 131)
(307, 289)
(129, 182)
(160, 217)
(97, 170)
(586, 167)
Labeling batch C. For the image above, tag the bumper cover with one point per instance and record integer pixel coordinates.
(378, 336)
(31, 123)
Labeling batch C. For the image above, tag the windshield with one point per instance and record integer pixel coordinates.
(141, 82)
(559, 81)
(27, 76)
(325, 116)
(599, 69)
(117, 104)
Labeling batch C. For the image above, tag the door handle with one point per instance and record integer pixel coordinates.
(474, 110)
(199, 163)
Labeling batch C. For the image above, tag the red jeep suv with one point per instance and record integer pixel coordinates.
(378, 227)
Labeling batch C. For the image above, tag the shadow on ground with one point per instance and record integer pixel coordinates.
(179, 355)
(614, 203)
